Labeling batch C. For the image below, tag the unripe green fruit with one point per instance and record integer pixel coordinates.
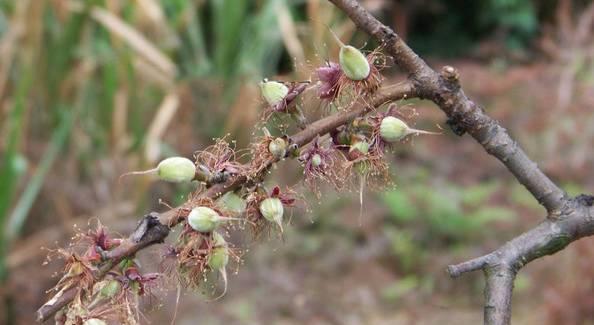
(94, 321)
(232, 202)
(204, 219)
(272, 209)
(316, 160)
(360, 146)
(353, 63)
(278, 148)
(273, 91)
(176, 169)
(219, 256)
(393, 129)
(111, 289)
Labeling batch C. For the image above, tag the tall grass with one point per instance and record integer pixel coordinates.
(89, 89)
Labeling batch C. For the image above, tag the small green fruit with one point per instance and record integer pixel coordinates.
(176, 169)
(219, 256)
(278, 148)
(94, 321)
(316, 160)
(204, 219)
(273, 91)
(111, 289)
(393, 129)
(360, 146)
(272, 209)
(353, 63)
(232, 202)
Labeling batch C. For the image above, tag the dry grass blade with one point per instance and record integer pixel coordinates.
(135, 40)
(289, 33)
(160, 122)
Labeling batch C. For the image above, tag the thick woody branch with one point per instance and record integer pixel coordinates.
(568, 219)
(154, 228)
(547, 238)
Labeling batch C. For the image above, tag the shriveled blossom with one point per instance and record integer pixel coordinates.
(219, 161)
(99, 241)
(322, 163)
(328, 76)
(113, 299)
(140, 284)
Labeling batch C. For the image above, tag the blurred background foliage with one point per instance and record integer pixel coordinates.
(91, 89)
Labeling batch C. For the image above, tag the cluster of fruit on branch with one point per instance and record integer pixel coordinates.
(354, 150)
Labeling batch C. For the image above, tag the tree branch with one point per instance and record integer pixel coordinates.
(154, 228)
(567, 220)
(463, 114)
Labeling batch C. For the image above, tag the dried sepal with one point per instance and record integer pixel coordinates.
(220, 161)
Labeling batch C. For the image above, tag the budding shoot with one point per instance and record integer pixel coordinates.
(173, 169)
